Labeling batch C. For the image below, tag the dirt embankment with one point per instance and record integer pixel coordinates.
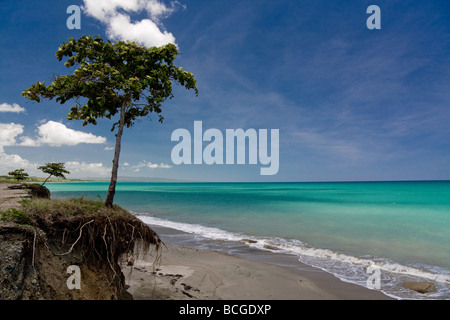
(67, 249)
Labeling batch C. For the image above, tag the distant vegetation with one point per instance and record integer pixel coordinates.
(7, 179)
(56, 169)
(18, 175)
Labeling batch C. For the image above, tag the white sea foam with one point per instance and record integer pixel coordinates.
(197, 229)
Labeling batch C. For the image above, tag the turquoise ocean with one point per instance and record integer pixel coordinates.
(358, 231)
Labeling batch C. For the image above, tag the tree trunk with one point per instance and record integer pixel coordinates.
(115, 167)
(46, 180)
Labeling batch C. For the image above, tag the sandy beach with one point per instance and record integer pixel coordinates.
(181, 273)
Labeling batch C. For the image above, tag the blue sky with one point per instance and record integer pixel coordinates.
(350, 103)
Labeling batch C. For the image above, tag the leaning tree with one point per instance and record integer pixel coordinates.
(56, 169)
(122, 78)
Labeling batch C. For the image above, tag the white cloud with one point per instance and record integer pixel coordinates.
(109, 148)
(9, 162)
(57, 134)
(145, 164)
(8, 134)
(145, 31)
(87, 169)
(27, 142)
(51, 133)
(5, 107)
(157, 9)
(116, 15)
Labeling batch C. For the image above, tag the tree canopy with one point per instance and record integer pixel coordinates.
(110, 74)
(56, 169)
(18, 174)
(122, 78)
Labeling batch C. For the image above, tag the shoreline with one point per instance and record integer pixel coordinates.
(187, 273)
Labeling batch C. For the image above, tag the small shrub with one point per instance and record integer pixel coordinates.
(38, 191)
(15, 215)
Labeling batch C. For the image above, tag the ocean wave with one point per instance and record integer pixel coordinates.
(344, 266)
(206, 232)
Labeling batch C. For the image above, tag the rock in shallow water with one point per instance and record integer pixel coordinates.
(421, 287)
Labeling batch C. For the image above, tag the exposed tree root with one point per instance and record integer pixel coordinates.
(73, 245)
(98, 239)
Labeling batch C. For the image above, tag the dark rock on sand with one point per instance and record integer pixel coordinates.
(421, 287)
(17, 186)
